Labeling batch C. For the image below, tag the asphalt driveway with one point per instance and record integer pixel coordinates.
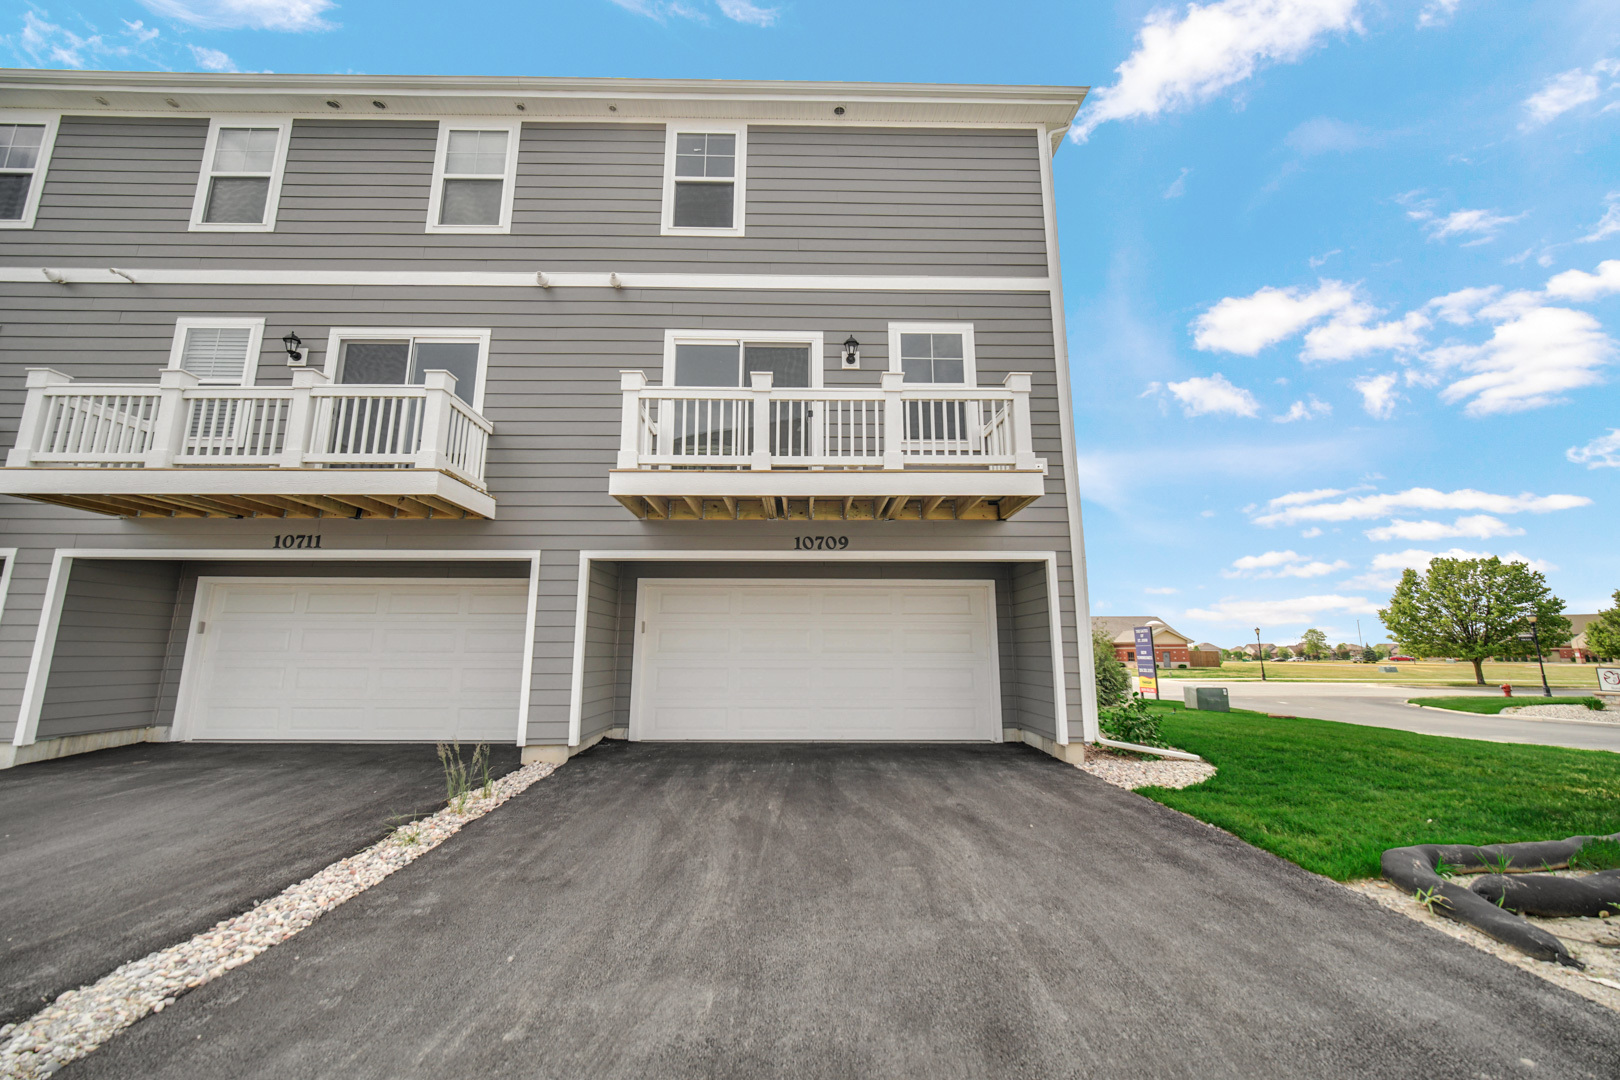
(857, 911)
(107, 856)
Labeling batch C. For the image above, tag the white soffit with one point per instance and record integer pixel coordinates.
(646, 100)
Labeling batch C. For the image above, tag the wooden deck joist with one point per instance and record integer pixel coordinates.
(253, 506)
(822, 508)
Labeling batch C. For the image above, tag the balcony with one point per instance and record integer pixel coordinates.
(177, 449)
(931, 454)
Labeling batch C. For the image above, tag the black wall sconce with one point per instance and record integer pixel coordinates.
(297, 355)
(852, 353)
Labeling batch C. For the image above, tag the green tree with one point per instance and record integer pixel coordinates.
(1314, 643)
(1113, 681)
(1283, 653)
(1473, 609)
(1369, 655)
(1603, 632)
(1342, 651)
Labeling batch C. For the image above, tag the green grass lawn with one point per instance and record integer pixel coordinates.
(1432, 673)
(1492, 706)
(1331, 797)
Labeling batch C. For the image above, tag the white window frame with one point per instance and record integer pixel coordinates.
(739, 204)
(970, 367)
(250, 369)
(815, 339)
(339, 334)
(47, 143)
(514, 132)
(205, 173)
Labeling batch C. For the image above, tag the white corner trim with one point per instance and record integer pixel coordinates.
(1048, 559)
(47, 143)
(815, 339)
(525, 279)
(482, 335)
(514, 135)
(970, 366)
(526, 683)
(205, 173)
(1071, 468)
(739, 204)
(9, 555)
(39, 663)
(250, 369)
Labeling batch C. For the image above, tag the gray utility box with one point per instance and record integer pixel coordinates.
(1390, 669)
(1208, 698)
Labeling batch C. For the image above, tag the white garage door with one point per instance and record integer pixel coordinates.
(355, 660)
(850, 660)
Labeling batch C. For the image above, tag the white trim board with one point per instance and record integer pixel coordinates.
(1047, 558)
(988, 586)
(201, 603)
(525, 279)
(9, 555)
(39, 663)
(970, 363)
(255, 345)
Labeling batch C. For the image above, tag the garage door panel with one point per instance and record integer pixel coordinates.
(335, 660)
(889, 660)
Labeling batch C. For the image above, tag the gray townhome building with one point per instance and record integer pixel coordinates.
(534, 410)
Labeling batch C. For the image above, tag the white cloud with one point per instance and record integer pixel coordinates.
(1311, 533)
(1214, 395)
(1311, 409)
(744, 12)
(1318, 260)
(1609, 224)
(1281, 564)
(1178, 186)
(1304, 507)
(1418, 559)
(1303, 609)
(1530, 361)
(1295, 498)
(1378, 396)
(293, 15)
(1564, 92)
(1347, 335)
(1477, 526)
(1183, 59)
(1247, 324)
(1267, 561)
(1484, 224)
(211, 59)
(1602, 452)
(1579, 286)
(46, 44)
(1161, 592)
(1437, 13)
(1458, 308)
(1325, 135)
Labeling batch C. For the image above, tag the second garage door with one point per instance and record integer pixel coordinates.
(355, 660)
(845, 660)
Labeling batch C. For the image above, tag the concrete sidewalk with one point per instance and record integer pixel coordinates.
(107, 856)
(939, 911)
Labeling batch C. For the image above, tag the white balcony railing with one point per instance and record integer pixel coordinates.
(310, 424)
(763, 428)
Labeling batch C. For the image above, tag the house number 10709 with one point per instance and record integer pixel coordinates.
(299, 540)
(820, 543)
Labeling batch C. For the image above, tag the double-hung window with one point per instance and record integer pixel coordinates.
(25, 153)
(705, 179)
(474, 173)
(374, 356)
(219, 352)
(240, 185)
(933, 354)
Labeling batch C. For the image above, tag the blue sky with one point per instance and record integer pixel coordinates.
(1335, 270)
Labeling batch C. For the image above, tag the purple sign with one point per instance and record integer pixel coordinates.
(1147, 664)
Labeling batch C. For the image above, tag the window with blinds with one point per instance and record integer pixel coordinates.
(216, 354)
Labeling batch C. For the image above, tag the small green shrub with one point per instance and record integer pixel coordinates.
(1597, 855)
(1132, 722)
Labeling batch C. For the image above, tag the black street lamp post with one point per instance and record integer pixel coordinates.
(1260, 653)
(1546, 691)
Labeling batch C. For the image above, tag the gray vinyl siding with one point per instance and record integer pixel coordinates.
(588, 198)
(1031, 629)
(555, 403)
(599, 690)
(110, 647)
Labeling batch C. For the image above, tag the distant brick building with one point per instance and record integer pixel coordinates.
(1172, 649)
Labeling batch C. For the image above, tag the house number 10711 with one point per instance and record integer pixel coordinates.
(820, 543)
(299, 540)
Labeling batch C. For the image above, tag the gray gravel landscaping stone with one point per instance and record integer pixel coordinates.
(703, 910)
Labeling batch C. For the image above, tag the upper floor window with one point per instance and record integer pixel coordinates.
(705, 177)
(474, 172)
(240, 185)
(727, 357)
(933, 354)
(25, 151)
(375, 356)
(220, 352)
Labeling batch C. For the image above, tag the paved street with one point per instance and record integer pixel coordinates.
(703, 910)
(1385, 706)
